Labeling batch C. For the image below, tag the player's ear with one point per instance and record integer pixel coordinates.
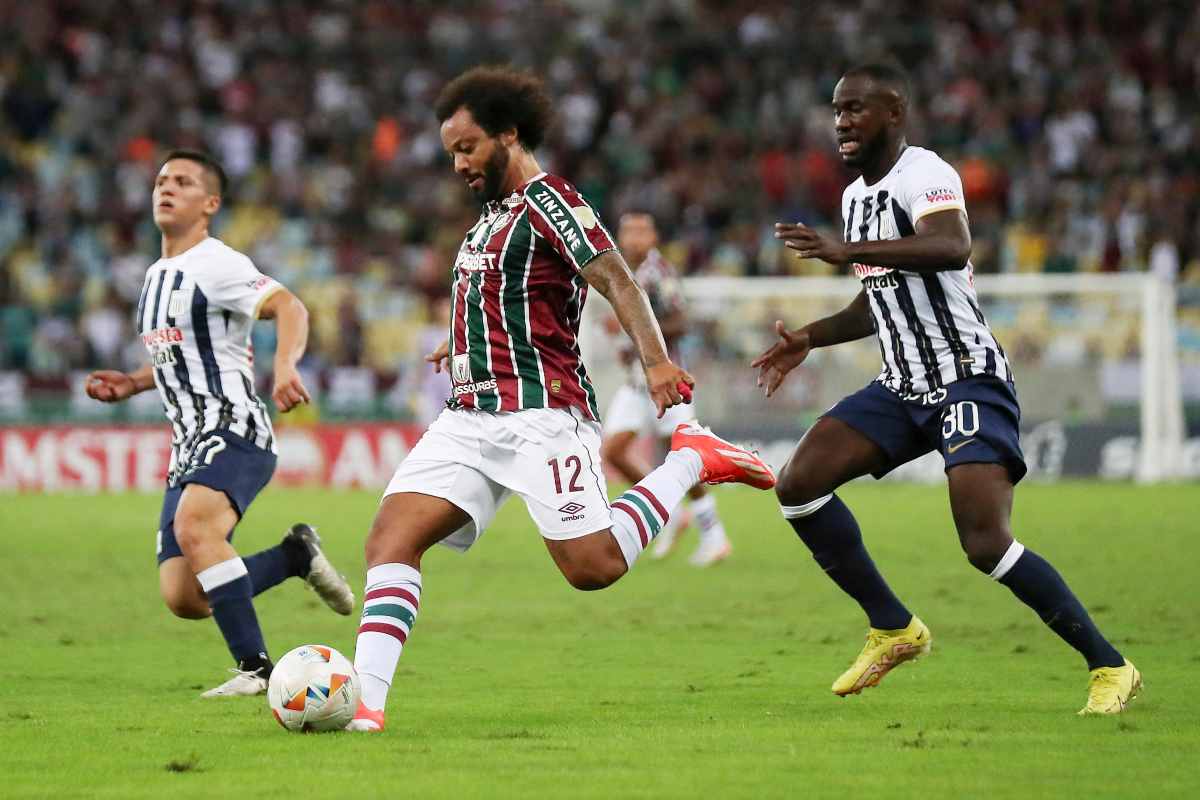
(509, 137)
(212, 204)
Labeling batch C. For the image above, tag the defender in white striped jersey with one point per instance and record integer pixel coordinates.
(197, 307)
(945, 385)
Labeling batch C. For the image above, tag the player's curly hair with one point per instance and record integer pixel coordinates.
(500, 98)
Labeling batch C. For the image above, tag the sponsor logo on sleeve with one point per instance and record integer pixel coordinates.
(259, 282)
(941, 195)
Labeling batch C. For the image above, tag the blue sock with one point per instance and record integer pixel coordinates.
(1039, 586)
(229, 592)
(270, 567)
(832, 534)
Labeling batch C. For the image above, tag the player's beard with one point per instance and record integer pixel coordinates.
(493, 174)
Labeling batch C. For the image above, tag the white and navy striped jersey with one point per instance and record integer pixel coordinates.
(194, 316)
(930, 328)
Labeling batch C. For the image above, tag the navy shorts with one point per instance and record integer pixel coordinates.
(971, 421)
(223, 461)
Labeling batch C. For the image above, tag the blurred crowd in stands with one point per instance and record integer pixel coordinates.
(1075, 126)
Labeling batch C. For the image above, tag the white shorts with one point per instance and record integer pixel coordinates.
(632, 409)
(477, 459)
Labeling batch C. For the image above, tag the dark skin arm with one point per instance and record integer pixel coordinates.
(851, 323)
(942, 241)
(667, 383)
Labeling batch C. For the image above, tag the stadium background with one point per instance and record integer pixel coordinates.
(1075, 126)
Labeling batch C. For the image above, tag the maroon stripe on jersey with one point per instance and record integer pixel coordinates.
(459, 325)
(636, 519)
(501, 356)
(644, 492)
(393, 591)
(394, 631)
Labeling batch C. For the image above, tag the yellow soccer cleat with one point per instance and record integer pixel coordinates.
(883, 651)
(1111, 688)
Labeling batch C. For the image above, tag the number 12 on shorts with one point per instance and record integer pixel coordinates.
(573, 486)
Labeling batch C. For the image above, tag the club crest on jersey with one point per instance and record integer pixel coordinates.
(178, 303)
(887, 229)
(460, 369)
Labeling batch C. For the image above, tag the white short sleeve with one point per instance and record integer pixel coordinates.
(233, 282)
(930, 185)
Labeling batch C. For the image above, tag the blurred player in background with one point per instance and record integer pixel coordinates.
(522, 417)
(632, 413)
(946, 385)
(196, 310)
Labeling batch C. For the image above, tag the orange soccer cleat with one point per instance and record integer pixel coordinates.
(724, 462)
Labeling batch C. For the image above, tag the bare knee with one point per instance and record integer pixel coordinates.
(185, 602)
(595, 574)
(387, 544)
(984, 546)
(191, 532)
(799, 483)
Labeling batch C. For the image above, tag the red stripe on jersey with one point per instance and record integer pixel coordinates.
(459, 324)
(501, 354)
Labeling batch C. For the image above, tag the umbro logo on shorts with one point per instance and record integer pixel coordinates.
(571, 511)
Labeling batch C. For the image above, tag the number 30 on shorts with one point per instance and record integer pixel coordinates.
(960, 418)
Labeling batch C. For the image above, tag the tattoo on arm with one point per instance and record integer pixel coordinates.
(610, 276)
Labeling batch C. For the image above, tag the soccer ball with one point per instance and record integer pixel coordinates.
(314, 688)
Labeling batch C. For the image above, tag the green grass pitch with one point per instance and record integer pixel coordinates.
(674, 683)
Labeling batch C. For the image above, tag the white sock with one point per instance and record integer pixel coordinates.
(704, 511)
(390, 604)
(641, 512)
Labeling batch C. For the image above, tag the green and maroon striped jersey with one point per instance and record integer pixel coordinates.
(517, 299)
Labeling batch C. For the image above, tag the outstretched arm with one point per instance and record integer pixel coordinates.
(113, 386)
(668, 384)
(942, 241)
(851, 323)
(291, 323)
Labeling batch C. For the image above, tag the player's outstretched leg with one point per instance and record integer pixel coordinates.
(202, 520)
(406, 525)
(300, 555)
(599, 559)
(697, 456)
(830, 454)
(981, 499)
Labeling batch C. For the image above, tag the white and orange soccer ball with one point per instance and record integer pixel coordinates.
(314, 688)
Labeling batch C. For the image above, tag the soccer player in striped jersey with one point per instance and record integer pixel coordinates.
(522, 417)
(196, 309)
(631, 412)
(946, 385)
